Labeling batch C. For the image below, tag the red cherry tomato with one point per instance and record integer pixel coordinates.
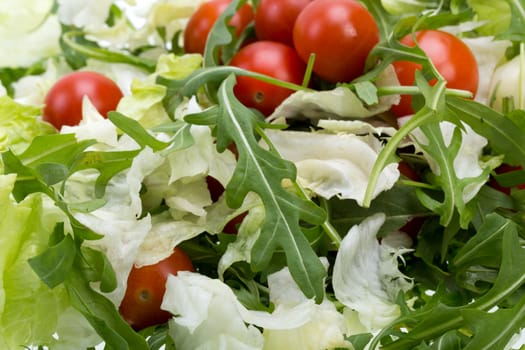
(202, 20)
(270, 58)
(340, 33)
(146, 287)
(274, 19)
(63, 103)
(451, 57)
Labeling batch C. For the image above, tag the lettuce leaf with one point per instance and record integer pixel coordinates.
(19, 124)
(30, 311)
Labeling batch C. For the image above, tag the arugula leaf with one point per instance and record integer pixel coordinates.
(436, 318)
(503, 134)
(262, 171)
(400, 204)
(77, 49)
(133, 129)
(452, 187)
(493, 330)
(55, 263)
(221, 36)
(101, 313)
(485, 246)
(109, 164)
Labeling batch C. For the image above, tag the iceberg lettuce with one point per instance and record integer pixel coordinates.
(366, 276)
(19, 124)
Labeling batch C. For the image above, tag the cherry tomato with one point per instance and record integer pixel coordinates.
(270, 58)
(340, 33)
(274, 19)
(451, 57)
(146, 287)
(202, 20)
(63, 103)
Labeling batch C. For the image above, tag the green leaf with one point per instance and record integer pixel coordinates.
(400, 205)
(388, 153)
(367, 92)
(56, 148)
(109, 164)
(77, 49)
(493, 330)
(485, 246)
(385, 21)
(436, 318)
(447, 180)
(133, 129)
(448, 341)
(102, 314)
(261, 171)
(97, 268)
(221, 35)
(27, 180)
(55, 263)
(512, 271)
(517, 22)
(503, 134)
(359, 341)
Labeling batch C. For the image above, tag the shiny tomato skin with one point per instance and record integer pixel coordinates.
(340, 33)
(450, 55)
(274, 19)
(203, 19)
(146, 287)
(270, 58)
(63, 102)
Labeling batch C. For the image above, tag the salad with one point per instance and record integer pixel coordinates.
(321, 174)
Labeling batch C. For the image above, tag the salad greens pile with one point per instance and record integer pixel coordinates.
(324, 257)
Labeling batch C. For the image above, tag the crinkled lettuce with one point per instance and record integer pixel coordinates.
(31, 312)
(336, 164)
(366, 276)
(207, 315)
(29, 33)
(19, 124)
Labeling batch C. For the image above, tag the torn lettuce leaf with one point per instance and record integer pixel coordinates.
(19, 124)
(31, 312)
(366, 277)
(338, 103)
(334, 164)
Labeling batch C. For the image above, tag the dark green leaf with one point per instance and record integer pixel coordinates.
(493, 330)
(54, 264)
(485, 245)
(77, 49)
(261, 171)
(109, 164)
(97, 268)
(359, 341)
(102, 314)
(400, 204)
(133, 129)
(504, 136)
